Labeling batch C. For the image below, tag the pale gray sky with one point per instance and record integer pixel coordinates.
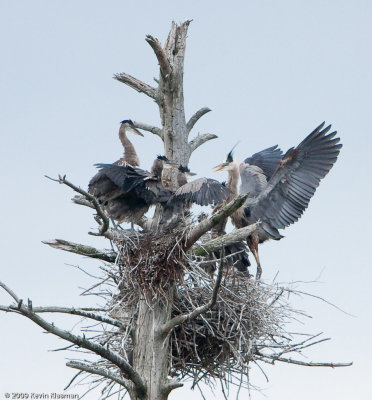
(271, 71)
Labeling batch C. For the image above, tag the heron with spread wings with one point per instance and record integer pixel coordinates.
(135, 190)
(279, 187)
(99, 183)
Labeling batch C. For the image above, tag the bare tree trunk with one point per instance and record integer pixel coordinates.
(171, 102)
(151, 349)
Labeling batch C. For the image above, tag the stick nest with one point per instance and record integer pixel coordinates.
(148, 263)
(246, 324)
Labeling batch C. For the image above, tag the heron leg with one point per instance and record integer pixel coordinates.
(252, 242)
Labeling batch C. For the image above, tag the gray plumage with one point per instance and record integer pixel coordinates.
(257, 170)
(132, 190)
(267, 160)
(280, 190)
(253, 180)
(100, 185)
(202, 191)
(287, 194)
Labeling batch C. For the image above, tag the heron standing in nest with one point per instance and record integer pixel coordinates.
(99, 184)
(135, 189)
(279, 189)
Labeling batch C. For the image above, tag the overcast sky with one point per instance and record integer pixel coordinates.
(271, 71)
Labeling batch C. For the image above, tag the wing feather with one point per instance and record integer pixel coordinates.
(290, 189)
(267, 159)
(202, 191)
(125, 177)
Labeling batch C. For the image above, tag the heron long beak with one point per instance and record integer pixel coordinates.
(191, 173)
(172, 164)
(135, 131)
(220, 167)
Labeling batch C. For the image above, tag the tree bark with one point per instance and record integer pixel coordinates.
(151, 348)
(219, 242)
(171, 102)
(84, 250)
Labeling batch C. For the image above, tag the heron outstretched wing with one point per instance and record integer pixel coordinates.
(202, 191)
(125, 177)
(268, 160)
(100, 186)
(290, 189)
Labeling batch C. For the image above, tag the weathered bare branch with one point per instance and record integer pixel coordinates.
(79, 341)
(10, 292)
(171, 385)
(180, 319)
(136, 84)
(83, 312)
(165, 67)
(97, 371)
(195, 118)
(9, 309)
(149, 128)
(105, 220)
(216, 244)
(81, 249)
(307, 364)
(82, 201)
(200, 139)
(86, 313)
(212, 221)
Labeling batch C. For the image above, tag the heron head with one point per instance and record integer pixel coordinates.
(167, 162)
(162, 158)
(227, 163)
(128, 124)
(186, 171)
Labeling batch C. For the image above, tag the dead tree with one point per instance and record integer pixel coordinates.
(166, 319)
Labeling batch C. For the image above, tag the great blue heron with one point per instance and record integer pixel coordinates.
(205, 191)
(135, 190)
(280, 188)
(201, 191)
(99, 183)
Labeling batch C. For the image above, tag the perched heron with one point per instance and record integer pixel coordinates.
(99, 183)
(135, 190)
(280, 187)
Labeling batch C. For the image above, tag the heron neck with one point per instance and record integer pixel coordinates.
(130, 155)
(232, 182)
(157, 168)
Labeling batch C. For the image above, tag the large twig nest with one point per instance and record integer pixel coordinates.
(246, 324)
